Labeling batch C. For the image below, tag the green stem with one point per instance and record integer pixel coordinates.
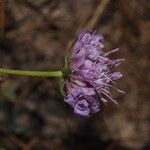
(31, 73)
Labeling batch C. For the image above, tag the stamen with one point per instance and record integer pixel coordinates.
(112, 51)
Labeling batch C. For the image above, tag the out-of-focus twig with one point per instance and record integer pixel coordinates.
(97, 14)
(34, 8)
(2, 17)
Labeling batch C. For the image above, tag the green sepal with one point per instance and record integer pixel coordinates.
(62, 86)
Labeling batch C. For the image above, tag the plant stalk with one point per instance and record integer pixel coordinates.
(31, 73)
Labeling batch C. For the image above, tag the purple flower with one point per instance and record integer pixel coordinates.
(89, 76)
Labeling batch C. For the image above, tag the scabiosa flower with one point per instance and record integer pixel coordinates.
(89, 77)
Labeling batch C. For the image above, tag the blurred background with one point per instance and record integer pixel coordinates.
(34, 35)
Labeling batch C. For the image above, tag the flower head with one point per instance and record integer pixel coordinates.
(90, 75)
